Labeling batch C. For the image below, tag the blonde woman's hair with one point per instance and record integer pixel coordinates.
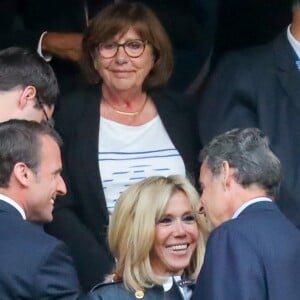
(132, 229)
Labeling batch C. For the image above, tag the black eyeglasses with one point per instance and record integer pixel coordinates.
(133, 48)
(40, 104)
(48, 121)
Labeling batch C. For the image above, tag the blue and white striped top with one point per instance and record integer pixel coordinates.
(128, 154)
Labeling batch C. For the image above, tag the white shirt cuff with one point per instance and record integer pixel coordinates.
(46, 57)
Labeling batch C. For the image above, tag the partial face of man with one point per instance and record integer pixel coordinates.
(21, 103)
(46, 183)
(213, 197)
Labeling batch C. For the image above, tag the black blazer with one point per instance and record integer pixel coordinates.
(83, 224)
(260, 87)
(253, 257)
(34, 265)
(117, 291)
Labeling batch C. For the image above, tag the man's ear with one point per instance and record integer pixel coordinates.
(226, 175)
(28, 96)
(22, 174)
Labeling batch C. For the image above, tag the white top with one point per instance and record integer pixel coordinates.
(128, 154)
(14, 204)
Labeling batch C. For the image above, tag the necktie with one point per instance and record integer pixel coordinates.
(174, 293)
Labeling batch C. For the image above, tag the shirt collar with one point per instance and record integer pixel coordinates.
(248, 203)
(169, 282)
(14, 204)
(294, 43)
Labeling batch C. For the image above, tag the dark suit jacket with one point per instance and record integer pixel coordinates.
(34, 265)
(260, 87)
(84, 226)
(117, 291)
(253, 257)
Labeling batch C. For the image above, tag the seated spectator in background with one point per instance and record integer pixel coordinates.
(57, 26)
(157, 238)
(28, 86)
(34, 265)
(119, 131)
(260, 87)
(253, 252)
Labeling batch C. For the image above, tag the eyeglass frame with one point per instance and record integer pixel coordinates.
(48, 121)
(144, 42)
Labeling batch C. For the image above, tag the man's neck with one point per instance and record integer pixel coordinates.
(295, 26)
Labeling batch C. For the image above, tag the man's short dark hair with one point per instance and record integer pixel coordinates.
(20, 141)
(21, 67)
(248, 152)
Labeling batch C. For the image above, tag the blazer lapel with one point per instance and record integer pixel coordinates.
(89, 132)
(177, 121)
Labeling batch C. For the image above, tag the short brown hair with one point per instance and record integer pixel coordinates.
(117, 19)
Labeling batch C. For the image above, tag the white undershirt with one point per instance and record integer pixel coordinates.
(128, 154)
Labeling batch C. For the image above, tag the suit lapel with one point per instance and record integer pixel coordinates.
(287, 71)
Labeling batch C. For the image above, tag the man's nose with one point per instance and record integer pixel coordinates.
(61, 187)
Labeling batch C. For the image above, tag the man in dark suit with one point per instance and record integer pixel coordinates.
(260, 87)
(253, 251)
(34, 265)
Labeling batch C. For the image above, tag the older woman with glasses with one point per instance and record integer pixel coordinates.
(158, 251)
(124, 128)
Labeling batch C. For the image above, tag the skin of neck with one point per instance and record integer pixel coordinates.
(295, 26)
(125, 99)
(16, 195)
(241, 195)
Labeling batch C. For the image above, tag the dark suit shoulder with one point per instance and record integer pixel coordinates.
(261, 226)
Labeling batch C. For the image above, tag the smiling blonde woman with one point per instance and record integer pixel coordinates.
(155, 234)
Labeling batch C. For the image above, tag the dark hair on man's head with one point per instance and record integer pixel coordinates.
(21, 67)
(20, 141)
(116, 19)
(248, 152)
